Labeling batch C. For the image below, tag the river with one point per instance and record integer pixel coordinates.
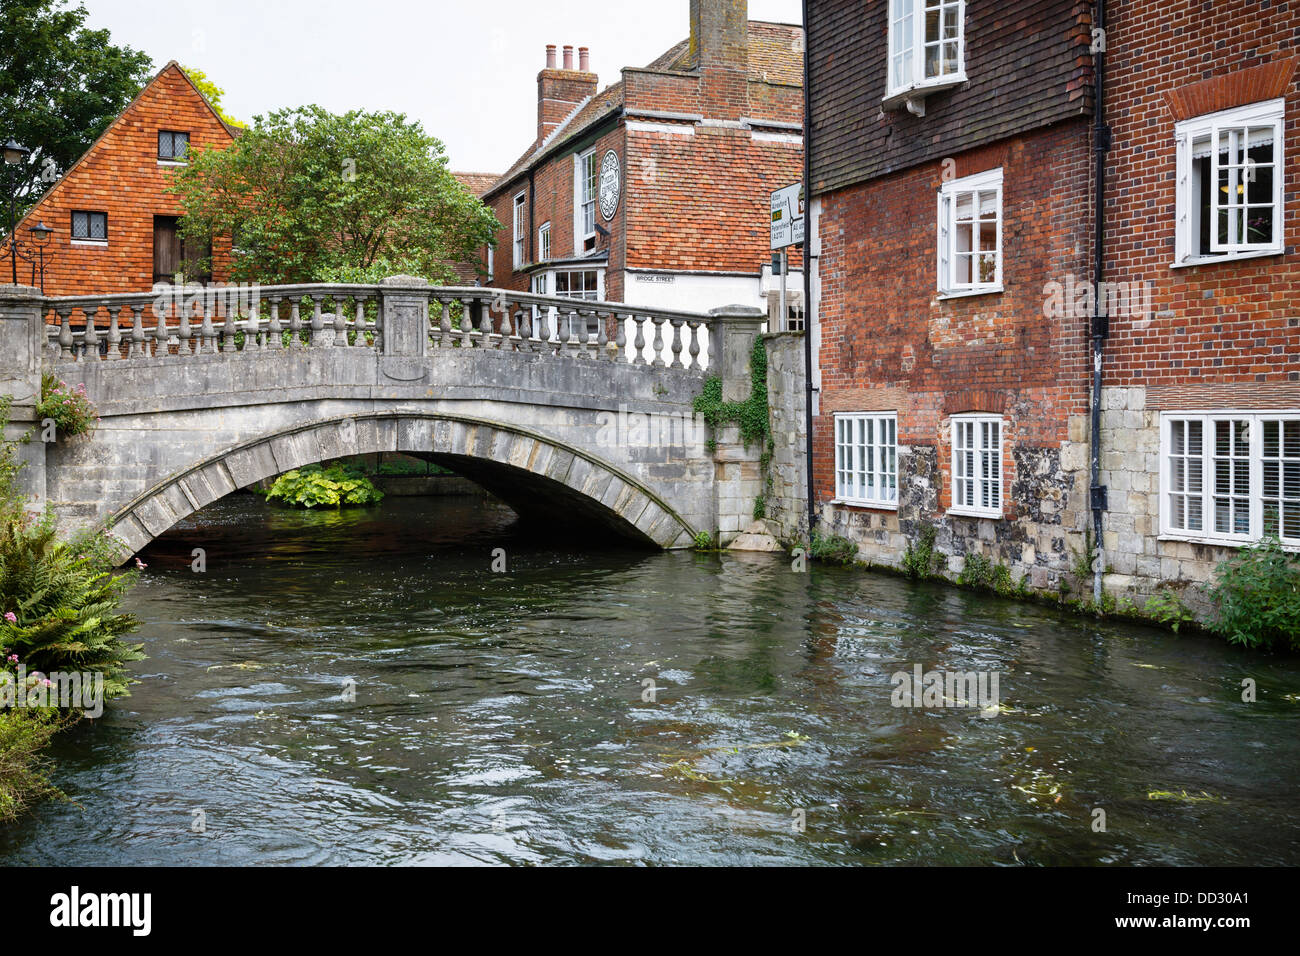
(361, 687)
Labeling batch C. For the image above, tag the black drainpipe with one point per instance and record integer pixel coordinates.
(807, 275)
(1101, 143)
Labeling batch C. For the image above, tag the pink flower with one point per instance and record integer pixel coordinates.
(46, 682)
(11, 617)
(140, 564)
(13, 658)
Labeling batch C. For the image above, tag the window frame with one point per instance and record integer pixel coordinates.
(520, 230)
(883, 465)
(1187, 217)
(919, 83)
(1208, 492)
(582, 179)
(87, 239)
(172, 159)
(946, 233)
(544, 242)
(978, 419)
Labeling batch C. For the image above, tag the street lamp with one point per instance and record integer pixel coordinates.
(40, 238)
(14, 154)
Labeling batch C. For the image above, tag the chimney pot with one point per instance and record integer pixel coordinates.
(568, 57)
(550, 56)
(584, 59)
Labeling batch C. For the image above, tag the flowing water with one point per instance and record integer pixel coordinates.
(505, 718)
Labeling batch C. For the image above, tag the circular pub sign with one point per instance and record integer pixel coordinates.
(610, 185)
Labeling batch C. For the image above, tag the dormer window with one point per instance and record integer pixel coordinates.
(172, 146)
(927, 50)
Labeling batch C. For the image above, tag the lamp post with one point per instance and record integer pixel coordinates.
(40, 238)
(14, 154)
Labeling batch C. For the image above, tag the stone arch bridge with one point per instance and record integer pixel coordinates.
(574, 412)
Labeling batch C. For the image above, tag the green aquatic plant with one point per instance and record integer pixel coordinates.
(313, 486)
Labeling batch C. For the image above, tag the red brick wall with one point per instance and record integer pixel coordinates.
(1227, 323)
(553, 201)
(888, 342)
(702, 202)
(120, 175)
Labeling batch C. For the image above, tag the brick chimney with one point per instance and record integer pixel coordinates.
(559, 91)
(719, 48)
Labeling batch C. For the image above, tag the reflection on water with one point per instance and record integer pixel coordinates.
(500, 717)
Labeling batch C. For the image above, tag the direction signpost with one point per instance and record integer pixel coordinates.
(787, 230)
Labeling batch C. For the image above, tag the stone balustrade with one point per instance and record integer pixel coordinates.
(183, 321)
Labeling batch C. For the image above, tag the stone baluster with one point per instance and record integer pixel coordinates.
(274, 330)
(228, 330)
(252, 326)
(639, 342)
(182, 328)
(444, 324)
(620, 338)
(485, 326)
(295, 322)
(526, 343)
(544, 330)
(602, 336)
(114, 337)
(160, 330)
(507, 330)
(360, 323)
(136, 348)
(381, 325)
(694, 347)
(208, 341)
(466, 322)
(340, 325)
(676, 329)
(65, 331)
(314, 338)
(657, 346)
(583, 336)
(565, 322)
(90, 337)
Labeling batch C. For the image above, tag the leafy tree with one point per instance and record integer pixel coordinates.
(61, 85)
(310, 195)
(212, 92)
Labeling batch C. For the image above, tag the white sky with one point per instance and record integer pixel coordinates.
(466, 70)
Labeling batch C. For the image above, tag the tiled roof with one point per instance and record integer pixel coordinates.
(775, 56)
(476, 183)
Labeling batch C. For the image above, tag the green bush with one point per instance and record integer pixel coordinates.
(1257, 597)
(59, 603)
(831, 549)
(335, 486)
(69, 408)
(24, 770)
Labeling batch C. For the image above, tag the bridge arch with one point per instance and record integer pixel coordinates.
(531, 472)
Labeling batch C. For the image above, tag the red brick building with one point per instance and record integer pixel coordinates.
(656, 189)
(953, 232)
(115, 227)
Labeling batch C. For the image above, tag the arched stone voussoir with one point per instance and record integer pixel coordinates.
(601, 485)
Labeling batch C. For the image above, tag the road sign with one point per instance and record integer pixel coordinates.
(787, 216)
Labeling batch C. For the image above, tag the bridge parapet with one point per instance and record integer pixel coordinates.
(402, 315)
